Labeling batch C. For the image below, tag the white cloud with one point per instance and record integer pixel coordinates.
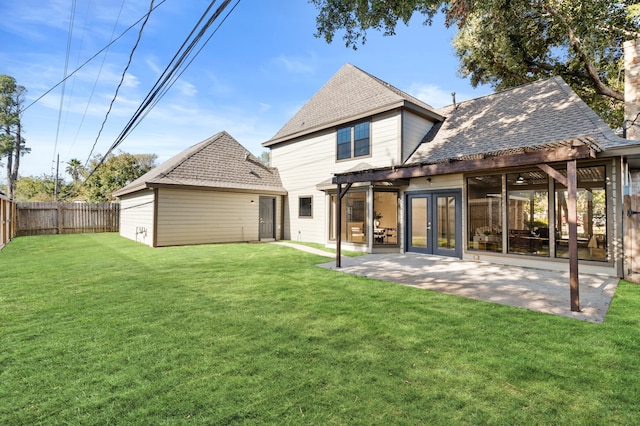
(431, 94)
(297, 65)
(130, 80)
(264, 107)
(186, 89)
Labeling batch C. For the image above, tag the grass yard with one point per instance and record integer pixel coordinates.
(96, 329)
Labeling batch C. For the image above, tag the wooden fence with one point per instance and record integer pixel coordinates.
(66, 218)
(7, 213)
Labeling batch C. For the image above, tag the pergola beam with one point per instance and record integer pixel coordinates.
(560, 154)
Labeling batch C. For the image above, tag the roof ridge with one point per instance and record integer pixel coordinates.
(190, 152)
(393, 88)
(500, 92)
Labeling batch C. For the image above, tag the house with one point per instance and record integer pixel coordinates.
(213, 192)
(501, 178)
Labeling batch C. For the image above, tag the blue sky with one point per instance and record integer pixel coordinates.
(259, 68)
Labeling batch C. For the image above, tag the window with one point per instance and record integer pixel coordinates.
(537, 218)
(353, 141)
(592, 215)
(354, 217)
(385, 217)
(485, 212)
(304, 207)
(528, 213)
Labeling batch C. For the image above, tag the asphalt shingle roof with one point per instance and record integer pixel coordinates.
(540, 114)
(217, 162)
(349, 95)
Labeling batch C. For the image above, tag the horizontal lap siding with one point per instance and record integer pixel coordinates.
(136, 217)
(414, 129)
(306, 163)
(202, 217)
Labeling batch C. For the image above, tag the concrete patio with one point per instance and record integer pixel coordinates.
(528, 288)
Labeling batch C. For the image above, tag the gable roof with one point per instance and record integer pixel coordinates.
(535, 116)
(349, 95)
(217, 162)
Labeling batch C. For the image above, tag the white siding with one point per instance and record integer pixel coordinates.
(136, 217)
(201, 217)
(308, 162)
(414, 129)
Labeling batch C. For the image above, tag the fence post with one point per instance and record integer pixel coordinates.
(59, 218)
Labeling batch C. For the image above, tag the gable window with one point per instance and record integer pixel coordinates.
(304, 207)
(353, 141)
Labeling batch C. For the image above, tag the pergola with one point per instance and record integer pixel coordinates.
(569, 151)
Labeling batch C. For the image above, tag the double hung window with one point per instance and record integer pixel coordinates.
(354, 141)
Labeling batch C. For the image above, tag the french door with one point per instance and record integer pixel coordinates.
(434, 222)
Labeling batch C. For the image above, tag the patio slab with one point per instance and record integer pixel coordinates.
(528, 288)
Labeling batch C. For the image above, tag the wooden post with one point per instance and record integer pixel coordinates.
(59, 218)
(572, 215)
(341, 193)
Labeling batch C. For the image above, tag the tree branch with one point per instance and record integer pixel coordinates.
(576, 45)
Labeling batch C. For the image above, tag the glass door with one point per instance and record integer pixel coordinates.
(434, 223)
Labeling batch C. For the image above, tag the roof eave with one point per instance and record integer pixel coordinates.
(206, 187)
(131, 189)
(402, 104)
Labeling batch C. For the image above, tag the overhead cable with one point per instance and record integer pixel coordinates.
(66, 65)
(94, 56)
(161, 84)
(95, 83)
(122, 77)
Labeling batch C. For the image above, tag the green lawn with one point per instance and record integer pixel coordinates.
(96, 329)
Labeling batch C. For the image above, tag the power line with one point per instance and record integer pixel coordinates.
(189, 63)
(95, 83)
(161, 84)
(94, 56)
(66, 66)
(124, 72)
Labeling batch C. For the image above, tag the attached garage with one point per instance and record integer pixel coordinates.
(214, 192)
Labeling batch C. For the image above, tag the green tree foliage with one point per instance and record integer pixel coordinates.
(115, 172)
(30, 188)
(265, 158)
(12, 145)
(42, 188)
(506, 43)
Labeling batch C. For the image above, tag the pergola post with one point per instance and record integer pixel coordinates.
(572, 213)
(341, 193)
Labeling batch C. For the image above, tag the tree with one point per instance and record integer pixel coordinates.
(115, 172)
(75, 169)
(31, 188)
(12, 145)
(506, 43)
(265, 158)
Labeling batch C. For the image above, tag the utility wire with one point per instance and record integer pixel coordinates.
(166, 76)
(124, 72)
(189, 63)
(66, 66)
(170, 69)
(94, 56)
(95, 83)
